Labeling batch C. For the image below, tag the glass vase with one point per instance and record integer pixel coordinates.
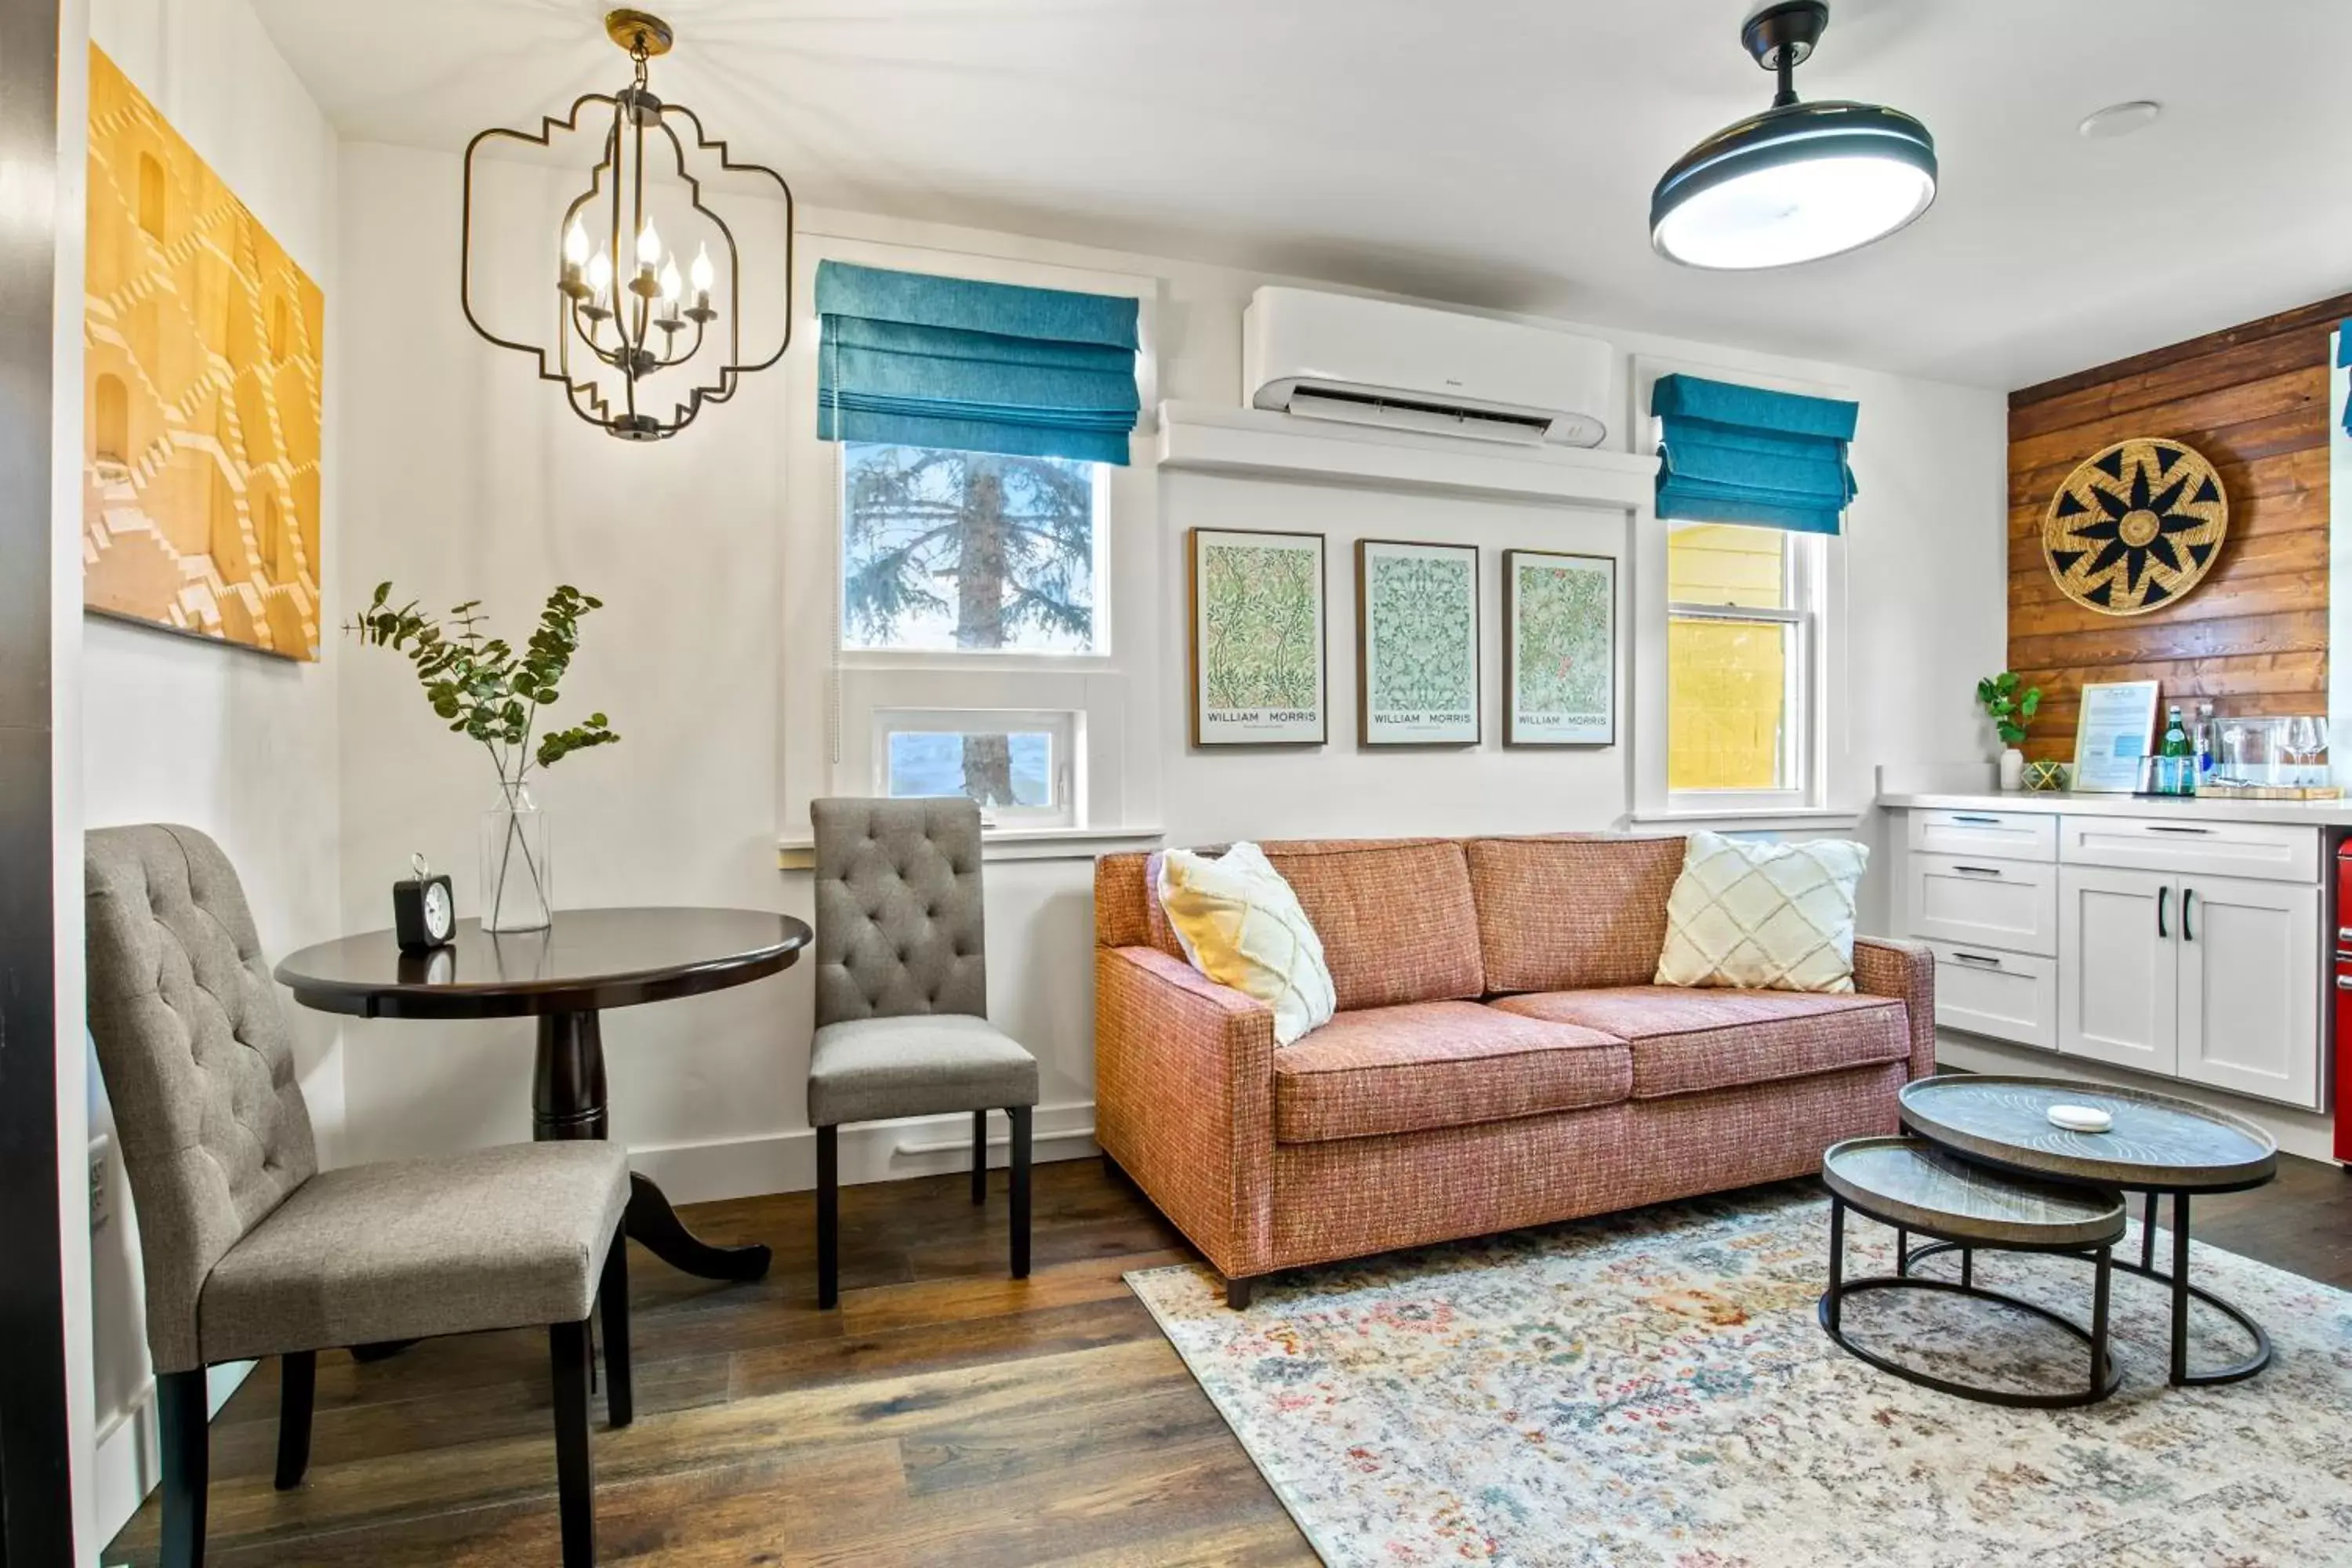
(517, 893)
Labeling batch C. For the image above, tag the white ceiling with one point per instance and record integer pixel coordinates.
(1493, 153)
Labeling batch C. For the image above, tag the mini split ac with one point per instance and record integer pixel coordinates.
(1403, 367)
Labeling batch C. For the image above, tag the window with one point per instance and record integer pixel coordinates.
(1741, 648)
(1020, 768)
(970, 551)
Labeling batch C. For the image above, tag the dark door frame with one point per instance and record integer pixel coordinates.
(36, 1511)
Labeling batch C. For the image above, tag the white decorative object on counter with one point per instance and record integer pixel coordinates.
(2013, 769)
(2080, 1118)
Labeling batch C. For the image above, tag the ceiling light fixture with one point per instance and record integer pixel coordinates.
(2119, 119)
(623, 314)
(1798, 182)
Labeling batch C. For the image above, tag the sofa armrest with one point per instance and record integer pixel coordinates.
(1908, 970)
(1184, 1099)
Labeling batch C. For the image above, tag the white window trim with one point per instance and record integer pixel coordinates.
(1822, 801)
(824, 742)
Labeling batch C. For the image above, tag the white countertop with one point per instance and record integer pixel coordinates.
(2288, 813)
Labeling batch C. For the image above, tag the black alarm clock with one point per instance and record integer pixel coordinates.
(424, 916)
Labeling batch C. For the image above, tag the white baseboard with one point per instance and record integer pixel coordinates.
(2305, 1132)
(870, 1151)
(129, 1461)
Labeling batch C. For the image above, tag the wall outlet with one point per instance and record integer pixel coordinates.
(101, 1157)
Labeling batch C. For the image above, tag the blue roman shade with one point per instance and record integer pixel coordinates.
(1742, 454)
(2343, 358)
(914, 360)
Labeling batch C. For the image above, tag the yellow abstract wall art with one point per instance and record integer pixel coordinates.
(202, 420)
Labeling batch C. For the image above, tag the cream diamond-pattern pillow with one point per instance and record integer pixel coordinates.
(1240, 924)
(1775, 917)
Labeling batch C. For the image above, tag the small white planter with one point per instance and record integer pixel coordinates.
(2013, 769)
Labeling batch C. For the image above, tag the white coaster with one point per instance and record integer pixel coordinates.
(2080, 1118)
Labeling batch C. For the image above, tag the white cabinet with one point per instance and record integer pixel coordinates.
(2250, 962)
(2213, 848)
(1983, 900)
(2118, 964)
(2007, 995)
(2212, 978)
(2185, 947)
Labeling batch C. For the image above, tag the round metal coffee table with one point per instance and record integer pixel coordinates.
(1912, 1184)
(2158, 1144)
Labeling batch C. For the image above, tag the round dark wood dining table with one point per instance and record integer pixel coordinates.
(564, 976)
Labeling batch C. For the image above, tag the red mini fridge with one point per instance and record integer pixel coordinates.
(2342, 993)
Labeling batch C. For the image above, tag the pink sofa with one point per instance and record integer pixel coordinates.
(1499, 1058)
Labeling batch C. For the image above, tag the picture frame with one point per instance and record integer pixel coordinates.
(1419, 644)
(1559, 648)
(1258, 638)
(2113, 734)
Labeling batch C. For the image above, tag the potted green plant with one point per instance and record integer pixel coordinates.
(492, 693)
(2011, 706)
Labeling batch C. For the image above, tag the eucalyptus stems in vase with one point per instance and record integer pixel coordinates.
(492, 691)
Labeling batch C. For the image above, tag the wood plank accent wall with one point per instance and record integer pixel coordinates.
(2252, 637)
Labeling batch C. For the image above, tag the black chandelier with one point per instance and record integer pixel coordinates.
(624, 315)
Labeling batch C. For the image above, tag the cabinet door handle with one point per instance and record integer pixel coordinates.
(1977, 870)
(2163, 899)
(1975, 821)
(2188, 933)
(2169, 827)
(2344, 983)
(1986, 960)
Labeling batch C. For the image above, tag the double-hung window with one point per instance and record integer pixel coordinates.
(975, 427)
(1743, 648)
(994, 562)
(1752, 490)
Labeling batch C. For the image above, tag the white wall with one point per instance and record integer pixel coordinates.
(239, 744)
(464, 477)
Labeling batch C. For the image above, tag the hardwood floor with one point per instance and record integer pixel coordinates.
(944, 1413)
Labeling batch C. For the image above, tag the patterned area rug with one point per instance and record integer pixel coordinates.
(1654, 1388)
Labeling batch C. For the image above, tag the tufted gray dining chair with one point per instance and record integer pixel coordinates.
(902, 998)
(251, 1250)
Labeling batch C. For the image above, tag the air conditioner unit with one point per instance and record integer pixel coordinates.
(1403, 367)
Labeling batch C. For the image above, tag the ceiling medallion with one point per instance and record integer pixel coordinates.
(2135, 527)
(1798, 182)
(623, 318)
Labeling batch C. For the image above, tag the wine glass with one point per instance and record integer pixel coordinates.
(2307, 742)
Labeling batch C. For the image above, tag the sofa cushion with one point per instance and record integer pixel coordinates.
(1438, 1063)
(1396, 917)
(1686, 1041)
(1560, 914)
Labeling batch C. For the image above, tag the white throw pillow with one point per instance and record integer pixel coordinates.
(1240, 924)
(1775, 917)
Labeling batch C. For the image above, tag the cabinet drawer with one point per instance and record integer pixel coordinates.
(2004, 835)
(2259, 850)
(1982, 901)
(2005, 995)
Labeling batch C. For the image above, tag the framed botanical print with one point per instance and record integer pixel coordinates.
(1258, 669)
(1560, 649)
(1416, 644)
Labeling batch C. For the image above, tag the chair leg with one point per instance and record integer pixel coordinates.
(1018, 1114)
(575, 1472)
(1238, 1293)
(298, 1382)
(181, 1414)
(980, 1157)
(613, 1293)
(828, 1215)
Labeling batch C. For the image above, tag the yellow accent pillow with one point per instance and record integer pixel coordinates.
(1775, 917)
(1240, 924)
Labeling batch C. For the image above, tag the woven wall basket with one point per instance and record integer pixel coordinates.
(2136, 526)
